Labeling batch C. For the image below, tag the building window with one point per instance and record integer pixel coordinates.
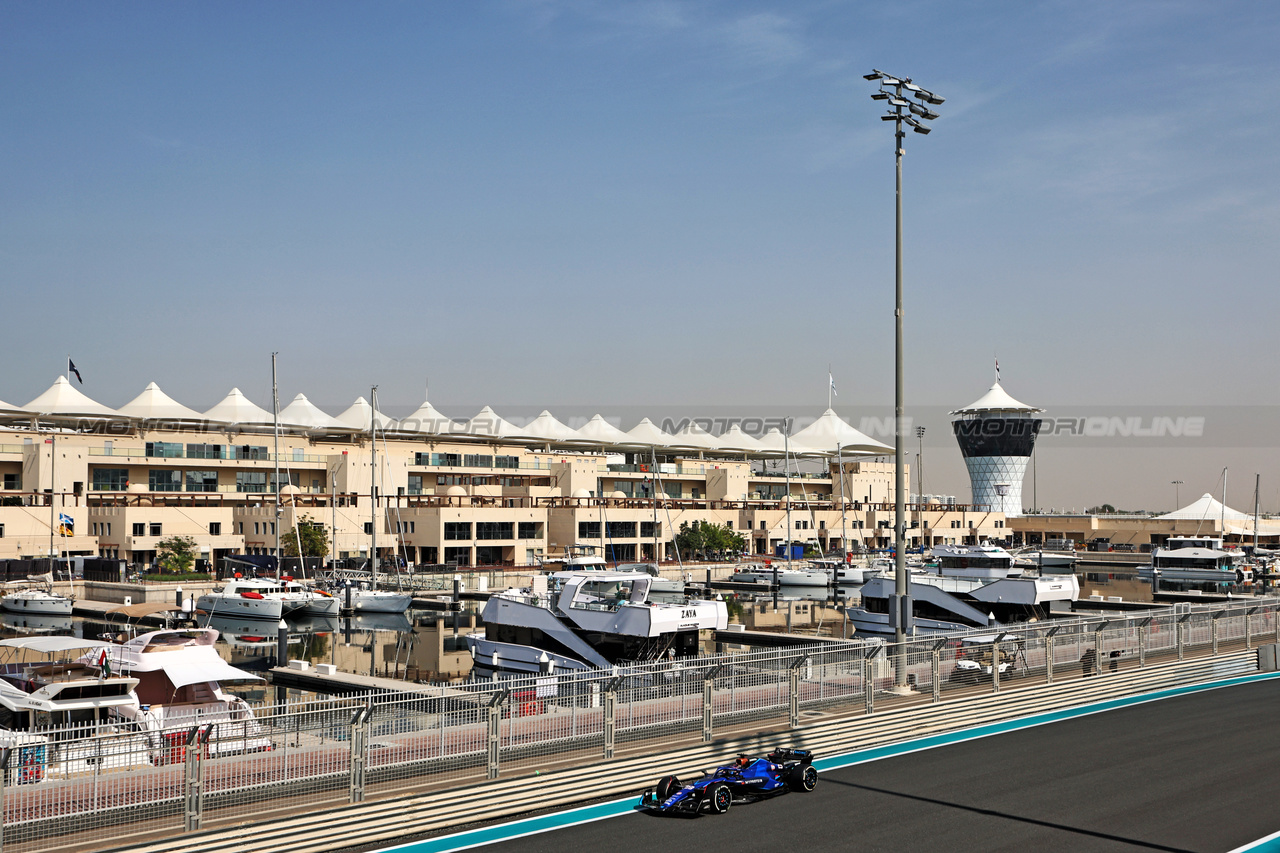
(648, 530)
(155, 529)
(239, 528)
(415, 484)
(457, 530)
(248, 451)
(107, 526)
(139, 528)
(368, 528)
(506, 462)
(164, 449)
(110, 479)
(12, 482)
(165, 481)
(447, 460)
(494, 530)
(621, 530)
(588, 530)
(457, 556)
(528, 530)
(251, 481)
(453, 480)
(202, 481)
(1, 531)
(205, 451)
(477, 460)
(215, 528)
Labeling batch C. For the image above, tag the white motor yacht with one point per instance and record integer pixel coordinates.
(266, 598)
(588, 619)
(54, 682)
(984, 560)
(1197, 559)
(797, 575)
(179, 677)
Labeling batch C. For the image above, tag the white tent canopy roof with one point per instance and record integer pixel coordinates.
(359, 415)
(236, 408)
(995, 400)
(773, 441)
(545, 427)
(63, 399)
(735, 439)
(1208, 509)
(489, 424)
(599, 431)
(692, 435)
(5, 407)
(830, 434)
(427, 420)
(154, 404)
(647, 433)
(302, 412)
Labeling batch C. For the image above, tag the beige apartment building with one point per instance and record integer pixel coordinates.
(81, 479)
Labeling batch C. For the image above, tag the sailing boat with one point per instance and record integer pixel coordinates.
(372, 599)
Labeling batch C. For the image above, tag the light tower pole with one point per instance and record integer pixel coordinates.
(902, 111)
(1177, 502)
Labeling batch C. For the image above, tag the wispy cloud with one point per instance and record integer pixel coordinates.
(766, 38)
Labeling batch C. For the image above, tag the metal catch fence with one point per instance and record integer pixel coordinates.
(102, 784)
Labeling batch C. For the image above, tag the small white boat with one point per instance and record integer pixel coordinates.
(784, 577)
(258, 598)
(36, 599)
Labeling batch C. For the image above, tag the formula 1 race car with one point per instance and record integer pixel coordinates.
(748, 778)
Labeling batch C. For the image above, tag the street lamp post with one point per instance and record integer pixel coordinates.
(1177, 502)
(902, 111)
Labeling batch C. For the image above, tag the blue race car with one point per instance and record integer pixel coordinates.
(748, 778)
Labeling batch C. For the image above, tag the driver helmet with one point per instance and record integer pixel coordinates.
(743, 761)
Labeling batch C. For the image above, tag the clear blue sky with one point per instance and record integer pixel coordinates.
(641, 203)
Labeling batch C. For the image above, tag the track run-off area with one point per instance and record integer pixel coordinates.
(1188, 770)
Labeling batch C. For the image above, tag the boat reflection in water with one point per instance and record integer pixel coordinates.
(35, 623)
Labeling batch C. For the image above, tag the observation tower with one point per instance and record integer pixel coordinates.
(996, 434)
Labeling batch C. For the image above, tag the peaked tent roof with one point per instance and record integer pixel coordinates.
(647, 433)
(359, 415)
(236, 408)
(1206, 508)
(63, 399)
(692, 435)
(773, 441)
(996, 400)
(5, 407)
(831, 434)
(599, 431)
(735, 439)
(427, 420)
(302, 412)
(154, 404)
(545, 427)
(489, 424)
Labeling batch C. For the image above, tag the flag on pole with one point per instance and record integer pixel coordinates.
(71, 366)
(997, 370)
(832, 380)
(66, 525)
(104, 663)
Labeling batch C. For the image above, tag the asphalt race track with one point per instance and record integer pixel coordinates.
(1192, 773)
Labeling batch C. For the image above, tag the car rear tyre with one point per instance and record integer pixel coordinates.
(804, 777)
(719, 798)
(667, 786)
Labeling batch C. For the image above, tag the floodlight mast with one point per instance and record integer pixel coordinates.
(896, 91)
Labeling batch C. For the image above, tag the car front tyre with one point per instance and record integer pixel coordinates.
(667, 786)
(719, 798)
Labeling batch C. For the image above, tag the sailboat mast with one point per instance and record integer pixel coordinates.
(786, 467)
(275, 420)
(1222, 508)
(844, 528)
(373, 489)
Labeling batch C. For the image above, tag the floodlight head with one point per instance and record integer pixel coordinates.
(890, 117)
(880, 96)
(874, 75)
(912, 86)
(929, 115)
(891, 81)
(935, 100)
(920, 128)
(898, 102)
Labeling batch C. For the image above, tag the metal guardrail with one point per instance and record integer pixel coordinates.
(93, 788)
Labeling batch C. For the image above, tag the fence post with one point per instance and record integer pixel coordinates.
(610, 710)
(193, 772)
(868, 685)
(708, 705)
(1213, 631)
(793, 696)
(1048, 659)
(5, 754)
(995, 667)
(937, 675)
(1180, 634)
(1142, 643)
(359, 741)
(496, 701)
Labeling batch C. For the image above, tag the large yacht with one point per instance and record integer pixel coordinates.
(948, 604)
(576, 620)
(266, 598)
(986, 561)
(1196, 559)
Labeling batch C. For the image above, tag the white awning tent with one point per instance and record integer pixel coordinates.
(694, 436)
(734, 439)
(647, 434)
(188, 669)
(155, 405)
(599, 432)
(236, 408)
(830, 434)
(427, 420)
(996, 400)
(7, 409)
(545, 427)
(488, 424)
(1234, 522)
(63, 399)
(302, 412)
(359, 416)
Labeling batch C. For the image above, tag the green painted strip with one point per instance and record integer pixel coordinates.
(616, 808)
